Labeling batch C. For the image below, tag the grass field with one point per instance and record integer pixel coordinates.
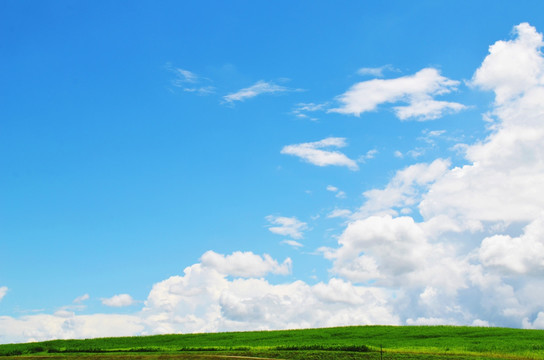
(357, 342)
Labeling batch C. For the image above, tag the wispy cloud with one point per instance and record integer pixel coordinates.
(188, 81)
(3, 291)
(292, 243)
(339, 213)
(81, 299)
(338, 193)
(260, 87)
(302, 109)
(183, 76)
(376, 72)
(286, 226)
(314, 153)
(370, 154)
(416, 90)
(120, 300)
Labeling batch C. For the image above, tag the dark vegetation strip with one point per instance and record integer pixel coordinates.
(51, 350)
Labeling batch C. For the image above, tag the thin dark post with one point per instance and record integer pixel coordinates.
(381, 352)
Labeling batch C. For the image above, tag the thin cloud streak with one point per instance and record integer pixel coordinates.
(316, 153)
(260, 87)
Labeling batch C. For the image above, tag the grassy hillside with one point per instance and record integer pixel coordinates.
(331, 343)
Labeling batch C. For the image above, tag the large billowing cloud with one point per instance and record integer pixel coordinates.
(203, 299)
(437, 245)
(476, 253)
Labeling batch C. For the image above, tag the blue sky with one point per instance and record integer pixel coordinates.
(211, 166)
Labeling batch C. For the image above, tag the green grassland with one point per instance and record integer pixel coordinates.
(355, 342)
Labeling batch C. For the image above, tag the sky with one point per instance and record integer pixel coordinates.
(203, 166)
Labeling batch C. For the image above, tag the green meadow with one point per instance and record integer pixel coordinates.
(354, 342)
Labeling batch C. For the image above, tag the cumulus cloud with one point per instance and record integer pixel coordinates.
(120, 300)
(314, 153)
(394, 252)
(406, 189)
(416, 90)
(287, 226)
(244, 264)
(204, 300)
(260, 87)
(512, 67)
(3, 291)
(508, 166)
(516, 255)
(468, 239)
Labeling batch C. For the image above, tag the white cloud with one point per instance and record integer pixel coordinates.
(417, 90)
(189, 81)
(313, 153)
(370, 154)
(292, 243)
(120, 300)
(538, 323)
(43, 327)
(427, 109)
(517, 255)
(339, 213)
(480, 323)
(405, 189)
(81, 298)
(395, 252)
(376, 72)
(202, 300)
(507, 167)
(469, 239)
(434, 133)
(3, 291)
(302, 109)
(288, 226)
(260, 87)
(430, 322)
(338, 193)
(244, 264)
(184, 76)
(512, 67)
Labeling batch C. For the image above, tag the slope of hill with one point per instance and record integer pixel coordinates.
(355, 342)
